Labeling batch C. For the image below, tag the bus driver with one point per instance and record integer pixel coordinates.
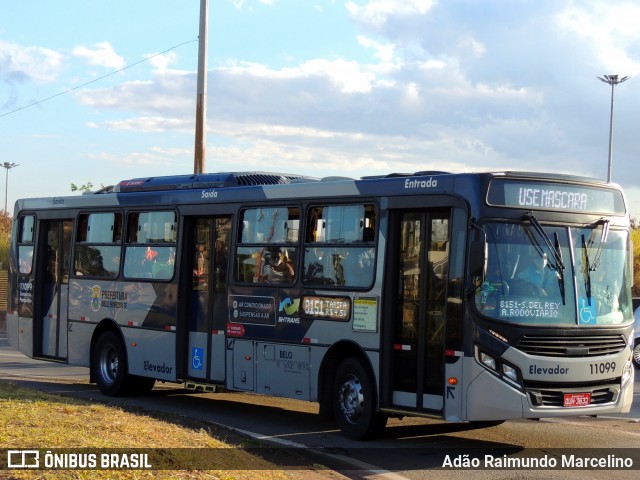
(536, 273)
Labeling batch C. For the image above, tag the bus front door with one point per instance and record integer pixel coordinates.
(208, 298)
(52, 272)
(419, 266)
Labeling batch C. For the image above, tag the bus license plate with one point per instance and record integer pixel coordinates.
(577, 399)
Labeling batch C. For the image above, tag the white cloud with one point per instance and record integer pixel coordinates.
(384, 52)
(508, 93)
(156, 158)
(163, 61)
(478, 48)
(240, 4)
(348, 76)
(145, 124)
(611, 29)
(101, 54)
(20, 63)
(377, 12)
(169, 93)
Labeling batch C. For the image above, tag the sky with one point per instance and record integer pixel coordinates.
(96, 91)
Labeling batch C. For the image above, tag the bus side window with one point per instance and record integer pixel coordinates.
(97, 251)
(339, 246)
(267, 249)
(150, 249)
(25, 244)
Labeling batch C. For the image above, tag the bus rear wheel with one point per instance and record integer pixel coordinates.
(109, 365)
(354, 404)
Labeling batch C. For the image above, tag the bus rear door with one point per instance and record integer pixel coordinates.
(52, 301)
(207, 298)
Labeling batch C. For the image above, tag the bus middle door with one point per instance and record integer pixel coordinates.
(207, 302)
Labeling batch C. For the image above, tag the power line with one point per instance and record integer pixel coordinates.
(38, 102)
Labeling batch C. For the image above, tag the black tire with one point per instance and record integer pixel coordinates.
(138, 385)
(110, 365)
(354, 401)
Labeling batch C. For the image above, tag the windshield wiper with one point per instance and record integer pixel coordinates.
(554, 249)
(559, 273)
(603, 240)
(587, 270)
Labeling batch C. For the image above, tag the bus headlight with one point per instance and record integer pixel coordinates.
(488, 361)
(510, 373)
(505, 371)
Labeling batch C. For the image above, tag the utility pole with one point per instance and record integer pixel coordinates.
(612, 80)
(199, 159)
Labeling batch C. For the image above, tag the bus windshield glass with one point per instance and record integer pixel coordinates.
(554, 275)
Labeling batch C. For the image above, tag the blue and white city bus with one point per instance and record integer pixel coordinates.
(465, 297)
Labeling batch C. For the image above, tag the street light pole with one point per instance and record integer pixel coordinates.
(8, 166)
(612, 80)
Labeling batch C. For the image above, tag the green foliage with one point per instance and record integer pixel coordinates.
(82, 188)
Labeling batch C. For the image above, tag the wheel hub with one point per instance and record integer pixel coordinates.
(109, 365)
(351, 399)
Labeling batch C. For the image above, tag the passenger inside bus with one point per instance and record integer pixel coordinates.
(162, 267)
(200, 267)
(277, 268)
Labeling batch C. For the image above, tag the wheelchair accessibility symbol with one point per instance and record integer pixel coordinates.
(587, 312)
(197, 355)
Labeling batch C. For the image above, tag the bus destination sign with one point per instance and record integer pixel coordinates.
(555, 196)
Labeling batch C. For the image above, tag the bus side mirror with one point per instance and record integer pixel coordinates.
(478, 255)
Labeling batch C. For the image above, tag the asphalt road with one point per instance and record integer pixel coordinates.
(410, 448)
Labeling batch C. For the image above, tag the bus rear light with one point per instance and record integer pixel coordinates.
(452, 381)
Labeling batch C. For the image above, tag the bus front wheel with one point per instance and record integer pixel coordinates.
(354, 404)
(109, 365)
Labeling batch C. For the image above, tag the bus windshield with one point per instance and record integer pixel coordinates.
(556, 275)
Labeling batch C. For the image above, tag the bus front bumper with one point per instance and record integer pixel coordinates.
(490, 398)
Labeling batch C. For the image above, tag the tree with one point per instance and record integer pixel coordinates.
(5, 224)
(82, 188)
(5, 238)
